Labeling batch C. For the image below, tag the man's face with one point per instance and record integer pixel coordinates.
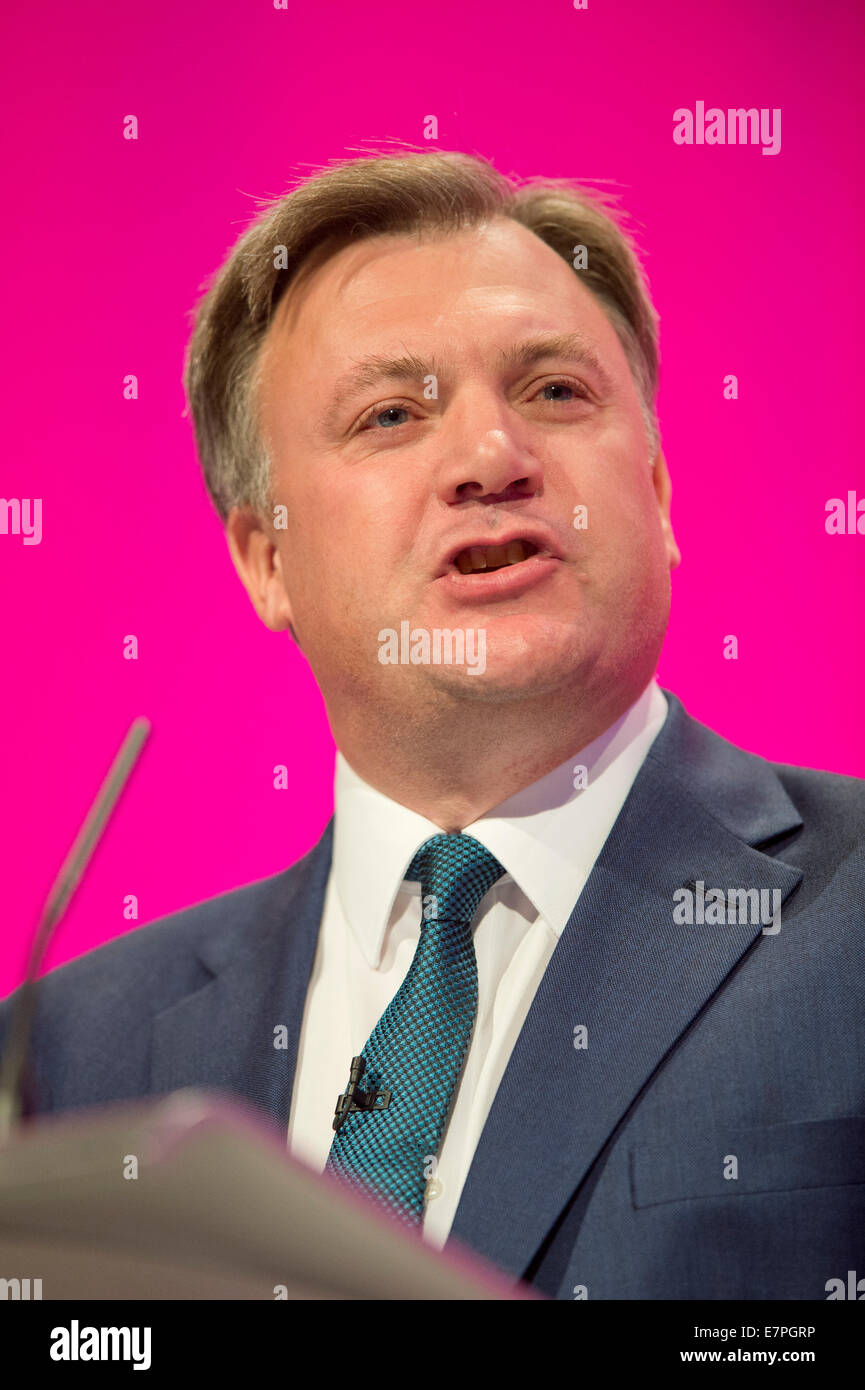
(396, 487)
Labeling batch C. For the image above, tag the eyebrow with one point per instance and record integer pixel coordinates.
(379, 368)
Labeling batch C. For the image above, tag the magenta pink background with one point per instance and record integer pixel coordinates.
(755, 263)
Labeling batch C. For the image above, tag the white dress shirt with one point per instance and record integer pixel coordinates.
(547, 837)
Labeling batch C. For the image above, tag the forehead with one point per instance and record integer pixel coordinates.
(452, 291)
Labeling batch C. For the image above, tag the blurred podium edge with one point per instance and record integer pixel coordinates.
(193, 1196)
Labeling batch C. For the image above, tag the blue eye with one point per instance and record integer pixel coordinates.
(392, 416)
(559, 386)
(380, 417)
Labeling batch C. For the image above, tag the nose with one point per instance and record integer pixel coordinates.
(489, 463)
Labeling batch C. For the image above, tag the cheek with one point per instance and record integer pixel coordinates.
(621, 501)
(624, 539)
(371, 523)
(329, 564)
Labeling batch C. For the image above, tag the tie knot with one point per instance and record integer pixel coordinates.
(457, 871)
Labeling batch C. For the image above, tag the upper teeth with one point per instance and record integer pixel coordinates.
(487, 557)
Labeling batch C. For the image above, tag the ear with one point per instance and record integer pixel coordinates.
(252, 546)
(663, 492)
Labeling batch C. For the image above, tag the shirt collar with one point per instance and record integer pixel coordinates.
(547, 836)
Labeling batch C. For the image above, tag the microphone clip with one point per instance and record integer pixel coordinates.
(353, 1098)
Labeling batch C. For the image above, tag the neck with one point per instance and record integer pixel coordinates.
(454, 760)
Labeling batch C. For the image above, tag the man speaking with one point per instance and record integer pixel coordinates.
(568, 977)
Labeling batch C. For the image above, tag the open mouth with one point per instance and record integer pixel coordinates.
(483, 559)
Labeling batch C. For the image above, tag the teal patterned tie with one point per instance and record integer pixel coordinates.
(417, 1049)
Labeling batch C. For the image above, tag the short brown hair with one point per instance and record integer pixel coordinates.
(349, 200)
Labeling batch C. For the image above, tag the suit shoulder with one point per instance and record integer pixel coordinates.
(814, 819)
(834, 801)
(156, 963)
(156, 944)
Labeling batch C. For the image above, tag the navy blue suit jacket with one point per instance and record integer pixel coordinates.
(601, 1169)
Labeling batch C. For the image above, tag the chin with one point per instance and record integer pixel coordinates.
(515, 663)
(491, 690)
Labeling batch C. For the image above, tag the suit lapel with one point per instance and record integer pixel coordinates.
(624, 970)
(224, 1034)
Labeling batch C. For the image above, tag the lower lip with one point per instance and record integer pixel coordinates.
(503, 583)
